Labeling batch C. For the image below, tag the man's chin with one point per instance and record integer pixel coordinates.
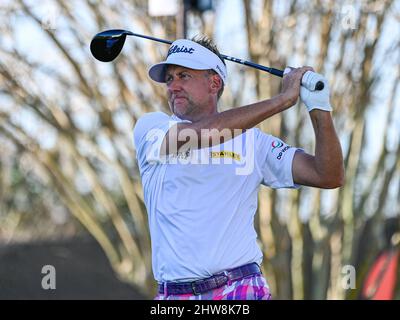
(180, 109)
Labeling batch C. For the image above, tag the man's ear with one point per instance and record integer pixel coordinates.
(216, 83)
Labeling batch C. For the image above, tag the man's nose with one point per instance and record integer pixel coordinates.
(174, 85)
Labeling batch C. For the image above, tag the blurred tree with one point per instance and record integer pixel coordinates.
(325, 230)
(28, 209)
(71, 117)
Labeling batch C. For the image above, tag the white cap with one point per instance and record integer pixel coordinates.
(189, 54)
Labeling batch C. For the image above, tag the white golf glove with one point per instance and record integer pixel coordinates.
(314, 99)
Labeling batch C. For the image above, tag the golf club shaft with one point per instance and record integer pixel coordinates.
(116, 34)
(273, 71)
(148, 37)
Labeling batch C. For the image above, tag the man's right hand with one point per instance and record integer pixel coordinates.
(292, 82)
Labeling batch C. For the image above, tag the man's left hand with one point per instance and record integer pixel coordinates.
(318, 99)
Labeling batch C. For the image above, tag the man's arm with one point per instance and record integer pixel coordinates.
(207, 131)
(325, 169)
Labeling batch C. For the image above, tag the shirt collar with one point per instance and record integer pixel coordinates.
(176, 118)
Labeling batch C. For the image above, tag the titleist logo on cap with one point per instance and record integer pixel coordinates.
(177, 49)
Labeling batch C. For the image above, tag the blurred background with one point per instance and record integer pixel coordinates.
(70, 191)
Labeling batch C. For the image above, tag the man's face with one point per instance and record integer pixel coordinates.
(189, 91)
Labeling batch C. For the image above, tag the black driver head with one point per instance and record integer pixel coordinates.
(107, 45)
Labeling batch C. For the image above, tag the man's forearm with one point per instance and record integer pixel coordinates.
(223, 126)
(245, 117)
(328, 152)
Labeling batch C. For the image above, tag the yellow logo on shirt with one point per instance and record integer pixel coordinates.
(225, 154)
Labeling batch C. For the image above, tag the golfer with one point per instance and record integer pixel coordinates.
(201, 171)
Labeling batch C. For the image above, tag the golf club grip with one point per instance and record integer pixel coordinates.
(276, 72)
(318, 86)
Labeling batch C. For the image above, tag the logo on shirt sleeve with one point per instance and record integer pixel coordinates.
(277, 144)
(279, 157)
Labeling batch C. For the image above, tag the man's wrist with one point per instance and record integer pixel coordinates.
(319, 114)
(285, 101)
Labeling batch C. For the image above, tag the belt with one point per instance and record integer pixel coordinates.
(218, 280)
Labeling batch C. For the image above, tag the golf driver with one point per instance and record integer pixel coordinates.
(107, 45)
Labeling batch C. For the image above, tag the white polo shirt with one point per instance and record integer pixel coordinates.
(201, 204)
